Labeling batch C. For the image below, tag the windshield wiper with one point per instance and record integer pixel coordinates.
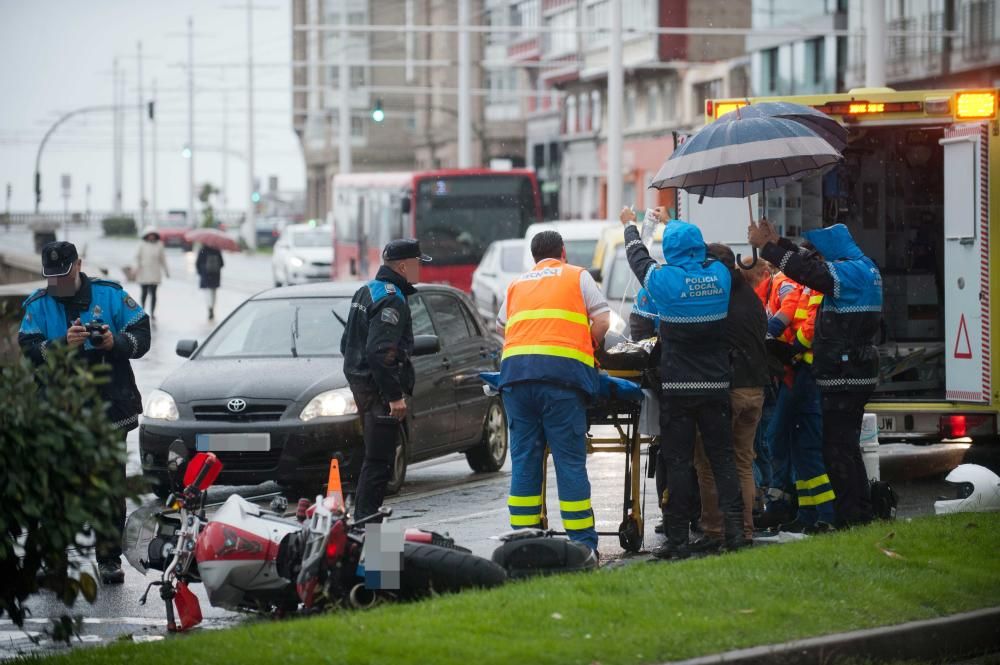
(295, 333)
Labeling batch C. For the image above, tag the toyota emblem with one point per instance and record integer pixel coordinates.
(236, 405)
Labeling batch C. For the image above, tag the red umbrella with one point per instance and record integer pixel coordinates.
(212, 238)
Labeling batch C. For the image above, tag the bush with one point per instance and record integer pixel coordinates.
(62, 459)
(119, 226)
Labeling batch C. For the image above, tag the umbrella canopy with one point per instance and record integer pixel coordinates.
(745, 155)
(824, 126)
(212, 238)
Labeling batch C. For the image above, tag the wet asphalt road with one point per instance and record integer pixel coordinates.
(443, 494)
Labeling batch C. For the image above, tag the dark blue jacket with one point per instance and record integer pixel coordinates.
(378, 338)
(691, 295)
(845, 357)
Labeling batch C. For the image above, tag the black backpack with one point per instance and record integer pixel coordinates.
(884, 500)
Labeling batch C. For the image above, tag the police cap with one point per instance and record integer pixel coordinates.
(406, 248)
(58, 258)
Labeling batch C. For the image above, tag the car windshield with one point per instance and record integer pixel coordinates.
(511, 258)
(281, 329)
(312, 238)
(172, 223)
(580, 252)
(620, 282)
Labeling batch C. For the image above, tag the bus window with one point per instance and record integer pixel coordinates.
(458, 217)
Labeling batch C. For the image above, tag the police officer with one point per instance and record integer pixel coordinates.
(57, 316)
(845, 360)
(376, 346)
(691, 294)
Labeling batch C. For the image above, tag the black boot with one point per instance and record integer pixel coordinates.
(676, 546)
(732, 523)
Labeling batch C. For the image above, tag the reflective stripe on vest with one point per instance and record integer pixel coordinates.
(534, 327)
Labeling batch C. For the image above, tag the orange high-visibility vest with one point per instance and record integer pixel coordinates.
(804, 323)
(547, 335)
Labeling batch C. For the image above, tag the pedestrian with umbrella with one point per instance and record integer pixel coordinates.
(209, 262)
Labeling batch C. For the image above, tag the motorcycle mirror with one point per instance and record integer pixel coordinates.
(176, 455)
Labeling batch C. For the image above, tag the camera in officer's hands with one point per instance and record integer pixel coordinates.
(95, 332)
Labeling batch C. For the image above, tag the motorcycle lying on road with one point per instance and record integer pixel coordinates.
(257, 560)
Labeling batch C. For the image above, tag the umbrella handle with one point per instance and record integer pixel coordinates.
(753, 261)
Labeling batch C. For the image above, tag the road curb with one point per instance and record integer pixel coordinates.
(950, 637)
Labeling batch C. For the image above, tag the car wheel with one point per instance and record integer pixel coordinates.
(398, 466)
(491, 452)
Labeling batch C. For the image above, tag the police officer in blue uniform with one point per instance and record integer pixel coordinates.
(845, 359)
(690, 292)
(376, 346)
(58, 316)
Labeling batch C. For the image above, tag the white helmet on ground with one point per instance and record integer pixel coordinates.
(977, 490)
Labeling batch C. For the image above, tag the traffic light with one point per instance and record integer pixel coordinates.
(186, 152)
(378, 115)
(151, 109)
(255, 197)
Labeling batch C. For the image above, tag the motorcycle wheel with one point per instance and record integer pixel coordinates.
(429, 569)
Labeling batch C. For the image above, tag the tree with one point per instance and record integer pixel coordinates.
(62, 459)
(207, 211)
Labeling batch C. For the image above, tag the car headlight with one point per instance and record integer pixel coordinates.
(296, 262)
(338, 402)
(160, 406)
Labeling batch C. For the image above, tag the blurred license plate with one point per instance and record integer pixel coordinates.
(887, 423)
(254, 443)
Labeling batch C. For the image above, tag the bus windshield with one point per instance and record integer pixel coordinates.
(458, 217)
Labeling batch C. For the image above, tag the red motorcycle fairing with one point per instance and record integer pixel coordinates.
(237, 554)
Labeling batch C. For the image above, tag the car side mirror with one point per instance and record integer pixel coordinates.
(404, 205)
(596, 274)
(425, 345)
(186, 347)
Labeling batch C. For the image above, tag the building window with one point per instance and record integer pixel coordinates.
(597, 15)
(357, 125)
(571, 115)
(653, 105)
(669, 112)
(584, 109)
(357, 77)
(815, 61)
(769, 71)
(596, 110)
(631, 99)
(561, 43)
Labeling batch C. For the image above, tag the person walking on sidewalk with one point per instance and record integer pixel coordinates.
(209, 266)
(150, 268)
(691, 294)
(845, 359)
(552, 318)
(57, 316)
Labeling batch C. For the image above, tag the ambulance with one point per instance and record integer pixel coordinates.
(919, 188)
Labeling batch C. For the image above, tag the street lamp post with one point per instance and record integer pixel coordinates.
(41, 146)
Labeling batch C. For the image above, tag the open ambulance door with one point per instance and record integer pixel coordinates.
(720, 220)
(966, 263)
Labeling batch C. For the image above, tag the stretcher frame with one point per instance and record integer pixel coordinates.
(624, 416)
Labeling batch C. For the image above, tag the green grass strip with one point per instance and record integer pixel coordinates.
(644, 613)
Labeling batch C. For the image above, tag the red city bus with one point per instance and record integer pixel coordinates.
(455, 214)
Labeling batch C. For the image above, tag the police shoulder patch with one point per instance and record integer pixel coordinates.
(390, 288)
(130, 302)
(390, 316)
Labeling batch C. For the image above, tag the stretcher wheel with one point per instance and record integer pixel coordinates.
(630, 535)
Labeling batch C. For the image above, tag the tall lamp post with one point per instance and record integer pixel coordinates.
(41, 147)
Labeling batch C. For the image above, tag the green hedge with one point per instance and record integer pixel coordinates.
(62, 460)
(119, 226)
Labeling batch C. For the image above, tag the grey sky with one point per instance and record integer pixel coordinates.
(57, 56)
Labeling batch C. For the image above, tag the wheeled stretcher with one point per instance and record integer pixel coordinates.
(623, 405)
